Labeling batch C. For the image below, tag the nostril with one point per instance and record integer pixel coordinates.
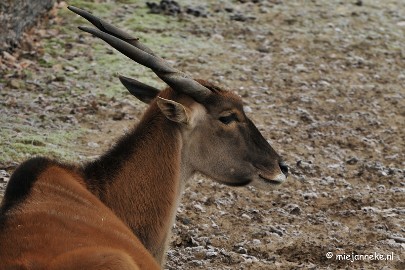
(284, 168)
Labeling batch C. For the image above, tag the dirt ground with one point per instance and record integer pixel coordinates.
(323, 80)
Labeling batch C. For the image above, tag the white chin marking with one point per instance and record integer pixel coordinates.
(280, 178)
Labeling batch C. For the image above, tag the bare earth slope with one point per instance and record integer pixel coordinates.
(323, 80)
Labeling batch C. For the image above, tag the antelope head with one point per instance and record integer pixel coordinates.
(220, 140)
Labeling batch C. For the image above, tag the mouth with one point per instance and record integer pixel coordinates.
(276, 181)
(241, 183)
(270, 177)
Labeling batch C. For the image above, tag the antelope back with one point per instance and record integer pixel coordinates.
(49, 220)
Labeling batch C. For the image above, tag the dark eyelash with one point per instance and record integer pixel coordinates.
(228, 119)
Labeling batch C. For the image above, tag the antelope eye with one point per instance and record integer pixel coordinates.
(228, 119)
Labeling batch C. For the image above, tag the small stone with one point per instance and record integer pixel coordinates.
(186, 221)
(60, 78)
(256, 242)
(241, 250)
(16, 84)
(211, 253)
(328, 180)
(197, 12)
(217, 37)
(352, 161)
(305, 165)
(247, 109)
(300, 68)
(293, 209)
(4, 176)
(196, 263)
(199, 207)
(199, 255)
(118, 116)
(310, 195)
(93, 145)
(9, 57)
(276, 231)
(398, 239)
(263, 49)
(69, 68)
(381, 189)
(241, 17)
(166, 7)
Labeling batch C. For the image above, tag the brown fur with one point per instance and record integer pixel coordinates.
(61, 225)
(143, 194)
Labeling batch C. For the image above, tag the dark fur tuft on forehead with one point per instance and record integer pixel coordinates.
(221, 95)
(215, 89)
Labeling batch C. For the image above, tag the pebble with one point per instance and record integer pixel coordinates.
(328, 180)
(247, 109)
(167, 7)
(199, 207)
(310, 195)
(293, 209)
(196, 263)
(211, 253)
(4, 176)
(352, 161)
(242, 17)
(197, 12)
(93, 145)
(256, 242)
(14, 83)
(276, 231)
(241, 250)
(398, 239)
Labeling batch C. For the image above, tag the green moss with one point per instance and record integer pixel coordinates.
(92, 6)
(44, 63)
(28, 74)
(20, 141)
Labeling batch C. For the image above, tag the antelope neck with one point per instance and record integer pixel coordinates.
(141, 179)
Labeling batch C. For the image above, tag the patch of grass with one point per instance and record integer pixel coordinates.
(106, 63)
(21, 141)
(44, 63)
(93, 6)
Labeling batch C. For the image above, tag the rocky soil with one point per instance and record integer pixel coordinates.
(323, 80)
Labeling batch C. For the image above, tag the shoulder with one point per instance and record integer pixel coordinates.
(22, 180)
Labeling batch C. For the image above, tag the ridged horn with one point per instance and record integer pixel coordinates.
(132, 48)
(110, 29)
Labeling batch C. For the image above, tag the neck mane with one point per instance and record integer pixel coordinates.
(140, 179)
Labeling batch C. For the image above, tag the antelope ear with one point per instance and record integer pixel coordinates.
(141, 91)
(173, 110)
